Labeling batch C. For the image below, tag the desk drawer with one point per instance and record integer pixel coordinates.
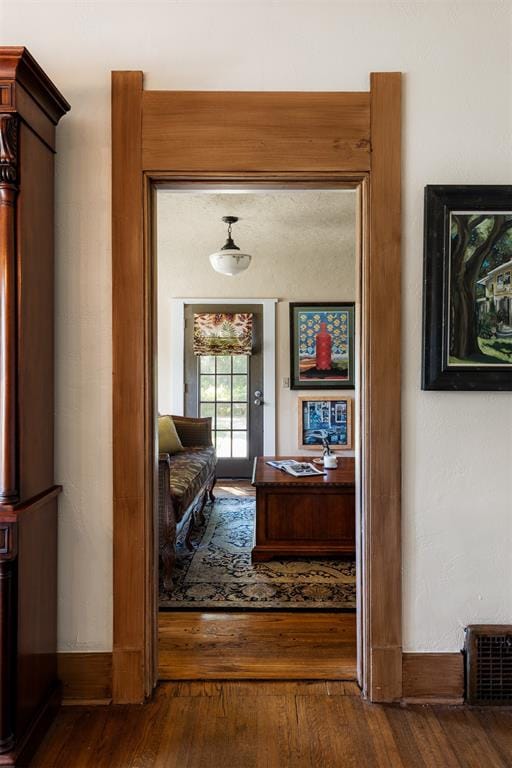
(310, 517)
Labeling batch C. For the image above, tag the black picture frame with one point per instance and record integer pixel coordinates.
(321, 382)
(441, 369)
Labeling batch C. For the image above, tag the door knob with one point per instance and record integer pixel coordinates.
(258, 397)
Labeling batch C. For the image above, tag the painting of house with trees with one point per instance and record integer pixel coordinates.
(480, 289)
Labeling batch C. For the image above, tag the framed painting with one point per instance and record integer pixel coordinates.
(322, 345)
(325, 416)
(467, 288)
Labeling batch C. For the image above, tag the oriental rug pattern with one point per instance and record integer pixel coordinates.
(218, 573)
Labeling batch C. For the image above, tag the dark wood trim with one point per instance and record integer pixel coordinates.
(31, 115)
(153, 142)
(13, 512)
(85, 677)
(9, 129)
(8, 620)
(18, 65)
(430, 678)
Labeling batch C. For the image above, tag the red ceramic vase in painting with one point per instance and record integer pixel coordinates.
(323, 349)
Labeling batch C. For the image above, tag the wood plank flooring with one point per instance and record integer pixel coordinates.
(256, 645)
(274, 725)
(237, 488)
(270, 646)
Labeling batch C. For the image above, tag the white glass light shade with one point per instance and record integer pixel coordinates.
(230, 261)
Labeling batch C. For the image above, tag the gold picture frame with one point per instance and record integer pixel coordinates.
(325, 416)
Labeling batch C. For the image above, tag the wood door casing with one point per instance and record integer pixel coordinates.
(229, 132)
(338, 139)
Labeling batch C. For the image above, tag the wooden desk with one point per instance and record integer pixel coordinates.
(304, 516)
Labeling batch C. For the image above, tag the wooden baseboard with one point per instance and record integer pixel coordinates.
(433, 678)
(86, 677)
(427, 678)
(386, 669)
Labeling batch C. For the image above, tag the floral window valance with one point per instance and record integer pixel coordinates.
(223, 333)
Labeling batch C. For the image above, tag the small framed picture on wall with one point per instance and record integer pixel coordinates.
(322, 345)
(325, 416)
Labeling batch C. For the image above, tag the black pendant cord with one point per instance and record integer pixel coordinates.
(230, 243)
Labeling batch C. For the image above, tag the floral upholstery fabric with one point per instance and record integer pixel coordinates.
(189, 472)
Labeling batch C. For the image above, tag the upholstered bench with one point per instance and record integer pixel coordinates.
(186, 479)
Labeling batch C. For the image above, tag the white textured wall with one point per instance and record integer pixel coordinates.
(303, 248)
(457, 448)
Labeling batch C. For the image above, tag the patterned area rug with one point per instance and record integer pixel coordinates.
(218, 573)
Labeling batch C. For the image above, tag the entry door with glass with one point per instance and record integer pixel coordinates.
(229, 388)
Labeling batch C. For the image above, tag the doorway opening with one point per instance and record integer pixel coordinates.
(282, 139)
(271, 404)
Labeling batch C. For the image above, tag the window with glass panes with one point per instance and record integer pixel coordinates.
(223, 395)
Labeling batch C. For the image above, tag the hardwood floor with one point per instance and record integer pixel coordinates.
(246, 724)
(226, 488)
(256, 645)
(275, 725)
(213, 646)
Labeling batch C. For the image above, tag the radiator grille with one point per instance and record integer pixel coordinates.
(489, 665)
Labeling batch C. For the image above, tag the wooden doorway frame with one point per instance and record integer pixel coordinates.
(349, 139)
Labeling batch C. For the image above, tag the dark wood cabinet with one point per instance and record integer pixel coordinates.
(304, 516)
(30, 108)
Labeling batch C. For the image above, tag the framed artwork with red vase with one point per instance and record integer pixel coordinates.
(322, 345)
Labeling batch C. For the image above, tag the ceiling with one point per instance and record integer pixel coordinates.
(285, 232)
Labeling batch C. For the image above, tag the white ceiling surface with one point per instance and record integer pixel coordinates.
(288, 233)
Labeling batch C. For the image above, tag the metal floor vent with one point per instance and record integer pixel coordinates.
(488, 650)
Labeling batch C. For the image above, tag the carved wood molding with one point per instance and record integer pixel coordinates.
(8, 396)
(8, 152)
(18, 66)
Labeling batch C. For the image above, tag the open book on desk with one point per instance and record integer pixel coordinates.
(297, 468)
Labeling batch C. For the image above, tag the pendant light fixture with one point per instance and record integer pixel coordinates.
(230, 260)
